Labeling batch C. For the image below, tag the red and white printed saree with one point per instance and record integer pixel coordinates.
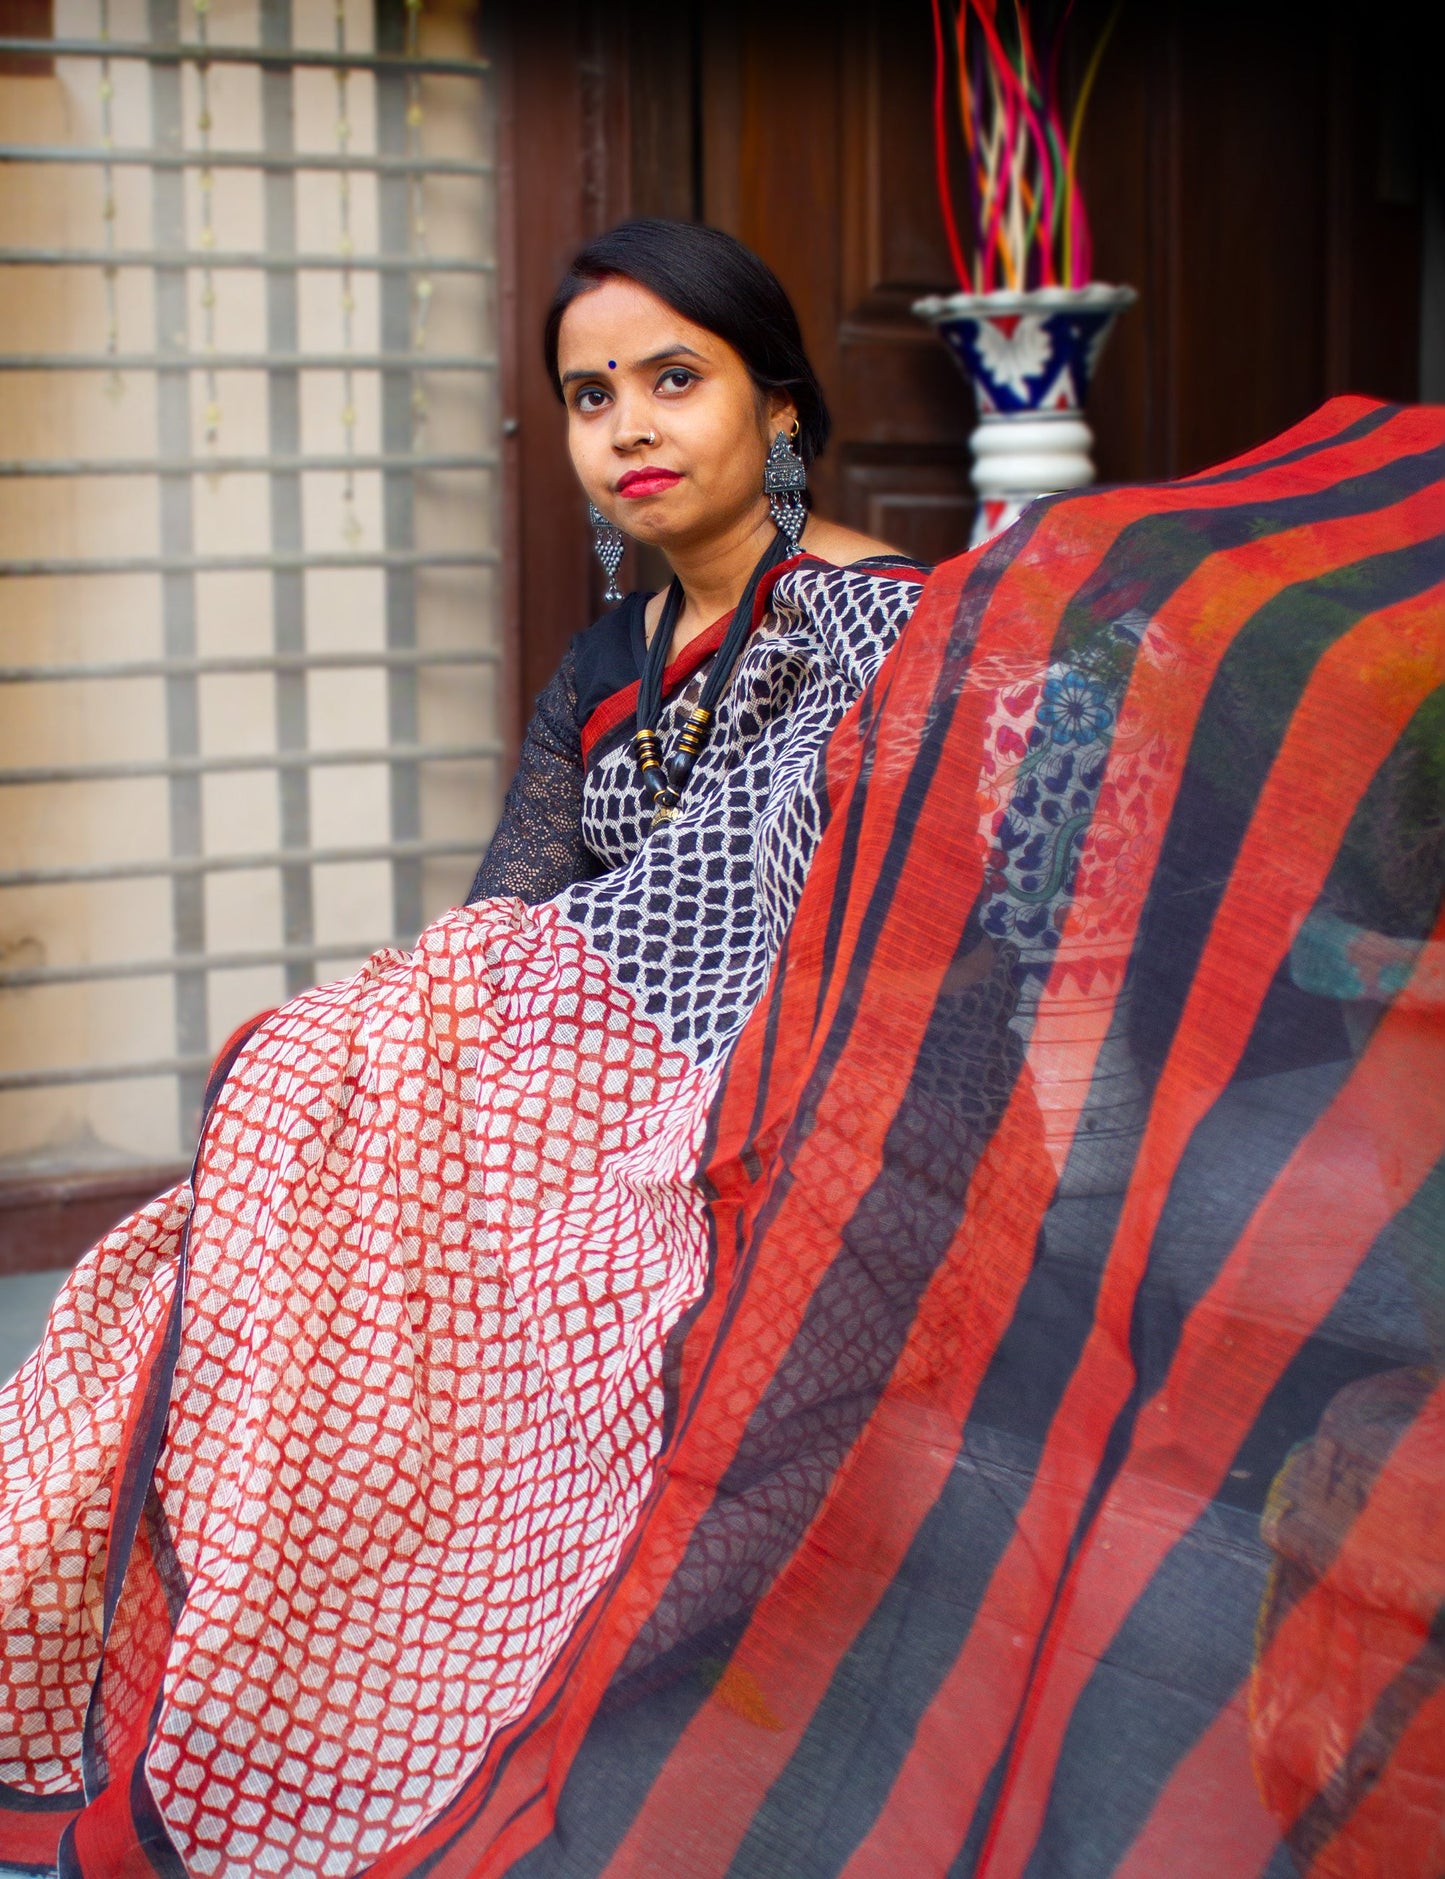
(329, 1457)
(943, 1380)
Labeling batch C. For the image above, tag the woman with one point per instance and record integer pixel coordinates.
(681, 366)
(325, 1451)
(976, 1408)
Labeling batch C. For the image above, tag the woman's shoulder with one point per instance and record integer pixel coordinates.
(844, 547)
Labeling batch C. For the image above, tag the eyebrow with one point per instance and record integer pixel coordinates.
(653, 358)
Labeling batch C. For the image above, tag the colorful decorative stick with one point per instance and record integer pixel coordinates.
(1026, 212)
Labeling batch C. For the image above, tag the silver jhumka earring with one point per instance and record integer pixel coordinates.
(784, 480)
(607, 543)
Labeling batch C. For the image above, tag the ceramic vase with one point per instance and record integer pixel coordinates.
(1030, 357)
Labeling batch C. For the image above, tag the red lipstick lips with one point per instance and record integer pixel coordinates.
(652, 482)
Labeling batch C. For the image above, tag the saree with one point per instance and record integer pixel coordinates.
(1036, 1442)
(323, 1453)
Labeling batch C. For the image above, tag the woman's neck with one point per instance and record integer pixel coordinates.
(713, 574)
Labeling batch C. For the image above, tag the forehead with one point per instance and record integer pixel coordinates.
(619, 320)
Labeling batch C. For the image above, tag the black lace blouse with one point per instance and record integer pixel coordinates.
(538, 848)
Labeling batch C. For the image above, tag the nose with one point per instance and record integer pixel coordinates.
(632, 421)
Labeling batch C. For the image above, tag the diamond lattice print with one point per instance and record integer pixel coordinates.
(445, 1216)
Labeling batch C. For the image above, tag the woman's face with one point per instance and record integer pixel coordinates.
(633, 370)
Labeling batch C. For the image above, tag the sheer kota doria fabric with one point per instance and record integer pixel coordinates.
(1042, 1477)
(1052, 1473)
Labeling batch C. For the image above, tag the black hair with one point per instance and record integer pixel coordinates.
(712, 280)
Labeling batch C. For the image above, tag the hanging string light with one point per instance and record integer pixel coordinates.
(212, 413)
(350, 522)
(114, 383)
(416, 206)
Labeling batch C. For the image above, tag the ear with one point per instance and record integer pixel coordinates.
(782, 414)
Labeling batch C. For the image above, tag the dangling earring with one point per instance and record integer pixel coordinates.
(607, 543)
(784, 480)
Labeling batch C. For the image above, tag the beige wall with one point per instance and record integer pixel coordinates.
(54, 620)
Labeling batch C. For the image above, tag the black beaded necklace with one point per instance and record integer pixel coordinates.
(664, 779)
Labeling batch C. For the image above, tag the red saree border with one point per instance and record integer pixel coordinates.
(622, 705)
(105, 1838)
(1223, 1009)
(1328, 425)
(32, 1828)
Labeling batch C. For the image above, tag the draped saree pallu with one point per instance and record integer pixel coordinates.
(918, 1351)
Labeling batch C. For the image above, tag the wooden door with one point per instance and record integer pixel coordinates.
(1254, 170)
(814, 152)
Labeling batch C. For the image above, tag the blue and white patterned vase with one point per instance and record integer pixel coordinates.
(1030, 357)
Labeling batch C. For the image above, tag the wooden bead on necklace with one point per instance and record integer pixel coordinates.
(665, 777)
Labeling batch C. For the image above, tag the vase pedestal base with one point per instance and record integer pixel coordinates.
(1018, 456)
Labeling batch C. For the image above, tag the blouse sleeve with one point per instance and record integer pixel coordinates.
(538, 849)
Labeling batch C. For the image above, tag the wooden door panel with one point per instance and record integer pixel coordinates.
(900, 391)
(815, 155)
(923, 509)
(1266, 206)
(904, 410)
(1250, 209)
(893, 241)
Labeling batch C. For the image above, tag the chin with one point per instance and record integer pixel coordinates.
(658, 529)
